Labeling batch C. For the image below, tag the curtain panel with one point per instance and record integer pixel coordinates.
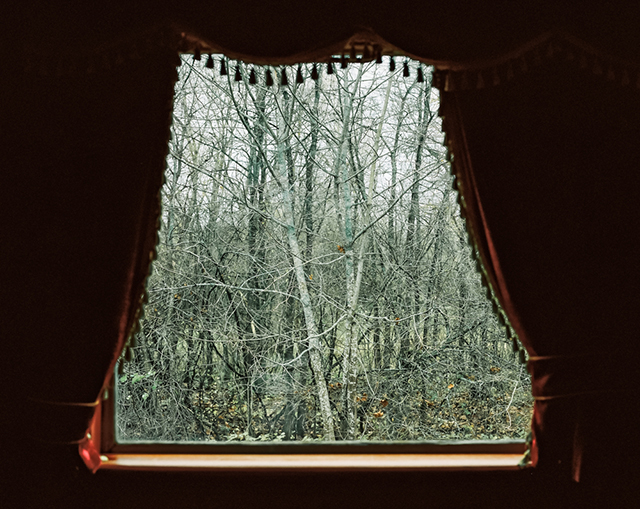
(544, 150)
(82, 162)
(547, 166)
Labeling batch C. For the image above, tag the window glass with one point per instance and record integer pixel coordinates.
(314, 279)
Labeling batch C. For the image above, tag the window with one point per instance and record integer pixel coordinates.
(314, 281)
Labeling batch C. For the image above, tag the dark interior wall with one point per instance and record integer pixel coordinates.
(37, 474)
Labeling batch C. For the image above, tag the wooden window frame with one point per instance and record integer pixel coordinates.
(440, 455)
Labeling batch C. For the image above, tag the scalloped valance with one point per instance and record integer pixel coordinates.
(451, 35)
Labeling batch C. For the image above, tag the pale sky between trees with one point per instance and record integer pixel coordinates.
(314, 278)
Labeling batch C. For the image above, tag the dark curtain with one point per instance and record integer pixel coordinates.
(549, 169)
(82, 161)
(545, 157)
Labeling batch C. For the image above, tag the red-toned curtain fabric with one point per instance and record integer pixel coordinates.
(548, 167)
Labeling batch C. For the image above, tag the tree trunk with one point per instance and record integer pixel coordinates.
(315, 347)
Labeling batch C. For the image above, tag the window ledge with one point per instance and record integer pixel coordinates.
(309, 462)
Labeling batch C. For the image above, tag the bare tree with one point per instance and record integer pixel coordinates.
(313, 278)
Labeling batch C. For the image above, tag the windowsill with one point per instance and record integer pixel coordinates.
(309, 462)
(443, 455)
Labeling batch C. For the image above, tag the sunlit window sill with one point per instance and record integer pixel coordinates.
(310, 462)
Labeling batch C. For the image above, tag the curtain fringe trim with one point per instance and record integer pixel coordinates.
(449, 125)
(264, 74)
(557, 46)
(364, 46)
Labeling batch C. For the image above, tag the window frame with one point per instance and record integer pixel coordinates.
(442, 455)
(502, 454)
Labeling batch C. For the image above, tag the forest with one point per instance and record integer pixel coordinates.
(314, 278)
